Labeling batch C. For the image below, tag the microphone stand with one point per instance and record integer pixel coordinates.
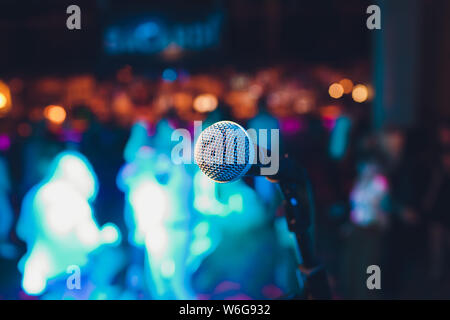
(299, 212)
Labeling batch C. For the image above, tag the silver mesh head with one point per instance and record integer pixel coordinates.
(224, 151)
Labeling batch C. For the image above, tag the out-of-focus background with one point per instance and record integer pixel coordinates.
(88, 187)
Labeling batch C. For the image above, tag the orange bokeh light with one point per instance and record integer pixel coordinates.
(55, 114)
(3, 101)
(205, 103)
(347, 85)
(336, 90)
(182, 101)
(360, 93)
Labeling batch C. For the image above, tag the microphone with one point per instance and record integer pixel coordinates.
(225, 152)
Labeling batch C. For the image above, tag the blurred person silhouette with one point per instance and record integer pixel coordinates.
(438, 205)
(265, 121)
(158, 213)
(57, 223)
(401, 150)
(365, 235)
(437, 208)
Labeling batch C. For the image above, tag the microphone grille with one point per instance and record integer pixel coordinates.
(224, 151)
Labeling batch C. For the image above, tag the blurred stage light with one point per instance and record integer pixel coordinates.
(5, 142)
(182, 101)
(330, 112)
(290, 126)
(205, 103)
(122, 106)
(239, 82)
(347, 85)
(336, 90)
(55, 114)
(256, 90)
(172, 52)
(5, 99)
(2, 101)
(243, 104)
(169, 75)
(360, 93)
(305, 102)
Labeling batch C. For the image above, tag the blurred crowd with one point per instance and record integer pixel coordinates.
(380, 195)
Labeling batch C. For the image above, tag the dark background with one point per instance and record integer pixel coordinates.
(254, 32)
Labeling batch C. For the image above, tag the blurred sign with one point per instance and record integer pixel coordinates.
(152, 36)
